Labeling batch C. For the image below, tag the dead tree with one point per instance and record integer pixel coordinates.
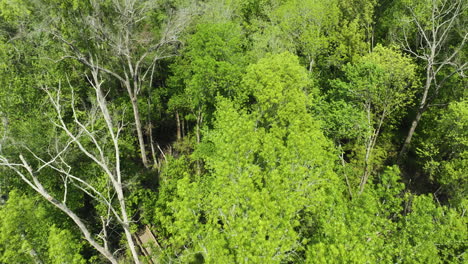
(136, 49)
(434, 29)
(103, 151)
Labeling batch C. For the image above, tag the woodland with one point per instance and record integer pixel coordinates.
(233, 131)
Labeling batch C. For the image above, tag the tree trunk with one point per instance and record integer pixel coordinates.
(343, 163)
(179, 134)
(199, 124)
(153, 150)
(365, 176)
(126, 226)
(197, 131)
(422, 108)
(407, 142)
(183, 128)
(139, 129)
(369, 148)
(311, 64)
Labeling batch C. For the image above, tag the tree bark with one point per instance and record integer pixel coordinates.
(198, 135)
(126, 225)
(369, 148)
(407, 142)
(138, 127)
(311, 64)
(183, 127)
(116, 178)
(422, 108)
(179, 134)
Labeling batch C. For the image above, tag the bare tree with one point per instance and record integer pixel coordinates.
(136, 48)
(434, 30)
(102, 147)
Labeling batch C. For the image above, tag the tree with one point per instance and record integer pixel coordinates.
(357, 18)
(102, 148)
(126, 47)
(63, 247)
(211, 64)
(254, 176)
(301, 27)
(443, 149)
(22, 109)
(25, 235)
(382, 84)
(439, 32)
(263, 165)
(430, 233)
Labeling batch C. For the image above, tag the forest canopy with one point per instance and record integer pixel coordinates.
(233, 131)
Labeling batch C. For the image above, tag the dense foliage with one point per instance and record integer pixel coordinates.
(234, 131)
